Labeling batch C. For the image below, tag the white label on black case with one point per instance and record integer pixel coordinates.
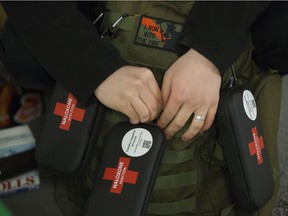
(249, 104)
(137, 142)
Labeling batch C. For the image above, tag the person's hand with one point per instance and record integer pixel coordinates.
(132, 91)
(191, 86)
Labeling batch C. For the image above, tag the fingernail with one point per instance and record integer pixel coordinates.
(184, 139)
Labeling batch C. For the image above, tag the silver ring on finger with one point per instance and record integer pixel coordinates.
(199, 117)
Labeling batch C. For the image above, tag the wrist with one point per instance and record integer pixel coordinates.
(194, 54)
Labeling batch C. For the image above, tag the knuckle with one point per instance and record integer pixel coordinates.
(144, 117)
(127, 94)
(178, 98)
(139, 83)
(211, 101)
(207, 102)
(147, 72)
(178, 124)
(215, 98)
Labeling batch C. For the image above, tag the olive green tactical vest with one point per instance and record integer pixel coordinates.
(193, 178)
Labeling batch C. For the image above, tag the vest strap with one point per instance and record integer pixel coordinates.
(172, 208)
(177, 157)
(176, 180)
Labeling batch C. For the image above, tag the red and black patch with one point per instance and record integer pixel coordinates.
(157, 33)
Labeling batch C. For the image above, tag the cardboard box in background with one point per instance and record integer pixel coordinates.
(13, 141)
(18, 172)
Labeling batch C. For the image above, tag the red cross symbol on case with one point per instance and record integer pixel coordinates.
(256, 145)
(69, 112)
(120, 175)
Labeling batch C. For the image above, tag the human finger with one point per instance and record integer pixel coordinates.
(140, 108)
(195, 126)
(178, 122)
(131, 113)
(168, 113)
(157, 99)
(210, 117)
(150, 102)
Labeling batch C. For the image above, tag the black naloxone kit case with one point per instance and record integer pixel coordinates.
(69, 134)
(243, 143)
(128, 168)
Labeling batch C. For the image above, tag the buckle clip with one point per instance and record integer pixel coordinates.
(111, 32)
